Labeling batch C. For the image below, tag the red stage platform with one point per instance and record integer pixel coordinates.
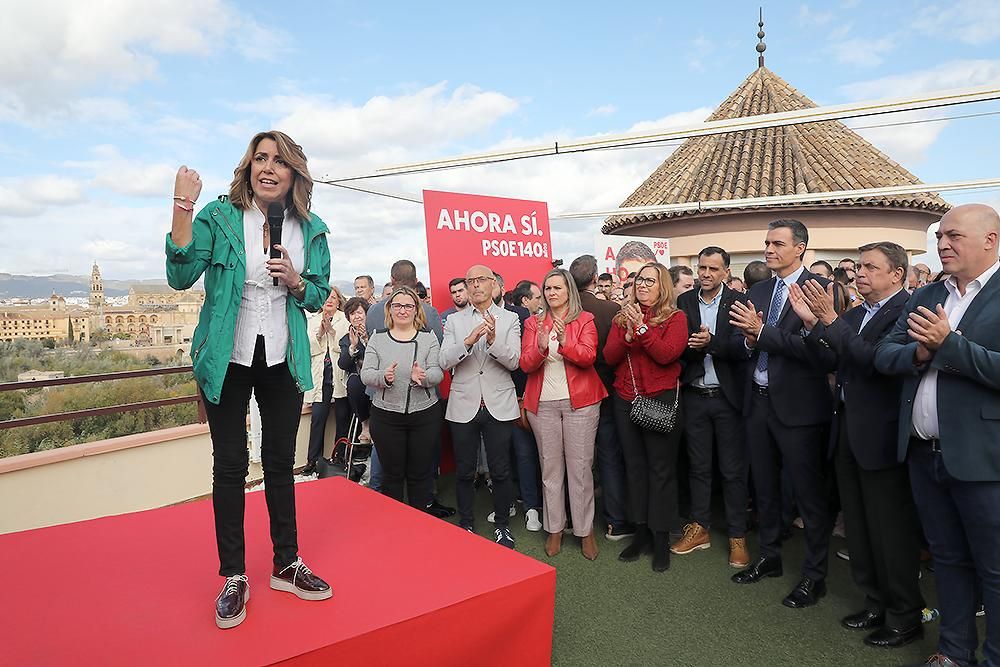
(138, 589)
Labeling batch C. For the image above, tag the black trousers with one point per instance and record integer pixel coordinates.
(360, 402)
(320, 413)
(280, 408)
(712, 424)
(650, 467)
(882, 535)
(466, 437)
(406, 445)
(800, 450)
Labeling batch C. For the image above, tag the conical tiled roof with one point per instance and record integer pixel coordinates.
(785, 160)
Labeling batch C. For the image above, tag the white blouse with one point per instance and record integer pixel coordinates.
(262, 310)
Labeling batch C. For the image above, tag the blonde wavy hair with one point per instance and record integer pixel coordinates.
(666, 304)
(340, 296)
(419, 318)
(575, 307)
(299, 198)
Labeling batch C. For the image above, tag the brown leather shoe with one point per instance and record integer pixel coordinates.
(553, 544)
(738, 554)
(299, 580)
(695, 537)
(589, 547)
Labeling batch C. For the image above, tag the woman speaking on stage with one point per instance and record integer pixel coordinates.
(251, 336)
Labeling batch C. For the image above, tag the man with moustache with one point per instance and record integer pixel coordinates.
(713, 378)
(459, 298)
(879, 513)
(946, 347)
(787, 406)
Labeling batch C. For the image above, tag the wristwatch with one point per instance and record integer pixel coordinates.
(641, 330)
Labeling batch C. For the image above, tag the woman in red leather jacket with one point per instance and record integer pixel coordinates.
(645, 345)
(563, 401)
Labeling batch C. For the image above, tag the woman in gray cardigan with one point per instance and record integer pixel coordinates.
(401, 365)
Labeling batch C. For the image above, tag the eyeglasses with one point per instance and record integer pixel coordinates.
(648, 282)
(404, 307)
(478, 280)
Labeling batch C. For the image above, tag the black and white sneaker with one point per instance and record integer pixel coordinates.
(231, 605)
(504, 538)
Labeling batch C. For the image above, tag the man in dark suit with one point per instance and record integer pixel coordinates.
(946, 346)
(610, 461)
(787, 406)
(714, 376)
(880, 516)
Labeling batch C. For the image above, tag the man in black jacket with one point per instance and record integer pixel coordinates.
(880, 516)
(787, 406)
(713, 378)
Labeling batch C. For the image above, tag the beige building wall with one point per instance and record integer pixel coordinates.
(833, 232)
(128, 474)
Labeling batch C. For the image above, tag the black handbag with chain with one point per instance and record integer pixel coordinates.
(649, 413)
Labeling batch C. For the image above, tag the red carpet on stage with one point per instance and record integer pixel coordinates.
(139, 589)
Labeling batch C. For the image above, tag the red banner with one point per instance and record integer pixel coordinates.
(511, 236)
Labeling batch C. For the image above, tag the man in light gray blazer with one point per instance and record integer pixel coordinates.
(946, 345)
(482, 345)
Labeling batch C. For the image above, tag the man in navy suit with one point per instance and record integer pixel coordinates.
(787, 405)
(946, 346)
(880, 516)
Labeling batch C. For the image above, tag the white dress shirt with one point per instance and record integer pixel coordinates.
(262, 309)
(925, 407)
(709, 311)
(760, 377)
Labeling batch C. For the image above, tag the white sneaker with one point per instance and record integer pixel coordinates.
(493, 515)
(531, 521)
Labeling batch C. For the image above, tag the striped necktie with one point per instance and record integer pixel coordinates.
(773, 314)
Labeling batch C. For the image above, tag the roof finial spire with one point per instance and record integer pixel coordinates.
(761, 46)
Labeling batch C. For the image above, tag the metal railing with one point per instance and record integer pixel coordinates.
(108, 410)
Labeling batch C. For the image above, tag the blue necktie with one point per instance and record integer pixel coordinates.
(773, 314)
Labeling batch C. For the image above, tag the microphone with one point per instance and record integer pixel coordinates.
(275, 218)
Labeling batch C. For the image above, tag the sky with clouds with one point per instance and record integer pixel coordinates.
(99, 105)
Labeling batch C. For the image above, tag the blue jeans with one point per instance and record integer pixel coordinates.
(962, 523)
(375, 476)
(528, 473)
(611, 467)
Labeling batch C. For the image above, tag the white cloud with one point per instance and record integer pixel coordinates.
(113, 171)
(386, 130)
(904, 143)
(809, 17)
(603, 110)
(28, 197)
(367, 233)
(52, 51)
(952, 74)
(974, 22)
(862, 52)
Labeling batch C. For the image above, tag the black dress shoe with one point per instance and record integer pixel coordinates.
(864, 620)
(892, 638)
(661, 552)
(764, 566)
(642, 542)
(805, 594)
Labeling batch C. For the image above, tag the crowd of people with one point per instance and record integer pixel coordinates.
(791, 382)
(872, 386)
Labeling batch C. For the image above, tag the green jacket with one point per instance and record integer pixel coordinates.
(217, 249)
